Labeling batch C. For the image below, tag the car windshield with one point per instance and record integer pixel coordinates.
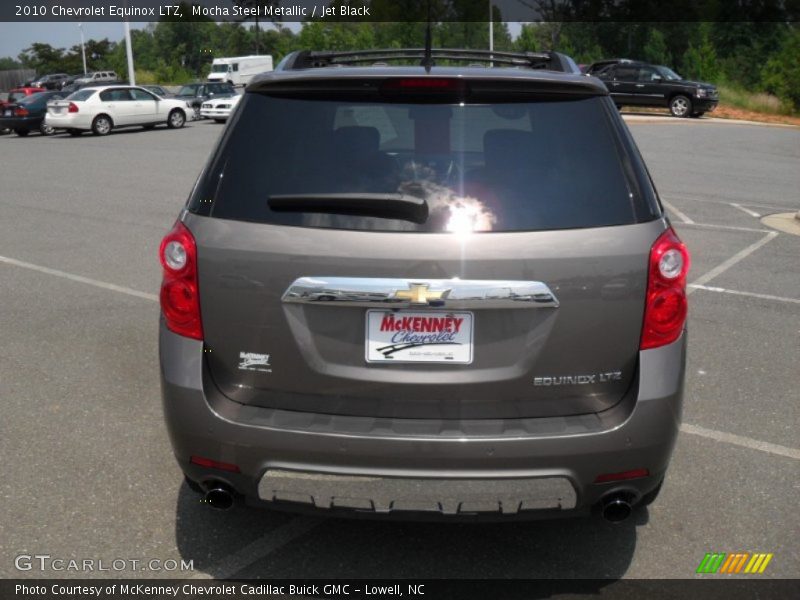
(668, 73)
(188, 90)
(219, 68)
(477, 167)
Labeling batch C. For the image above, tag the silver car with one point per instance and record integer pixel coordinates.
(423, 291)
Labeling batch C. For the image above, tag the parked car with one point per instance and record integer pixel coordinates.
(158, 90)
(194, 94)
(643, 84)
(19, 93)
(600, 65)
(27, 114)
(54, 81)
(390, 295)
(98, 78)
(102, 109)
(219, 109)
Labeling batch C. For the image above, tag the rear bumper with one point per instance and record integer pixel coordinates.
(69, 121)
(354, 466)
(26, 123)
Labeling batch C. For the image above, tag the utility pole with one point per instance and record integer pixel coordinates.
(129, 52)
(491, 33)
(83, 48)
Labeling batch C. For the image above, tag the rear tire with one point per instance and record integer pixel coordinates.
(102, 125)
(21, 132)
(46, 129)
(176, 119)
(680, 106)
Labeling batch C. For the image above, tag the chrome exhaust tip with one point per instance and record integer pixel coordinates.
(219, 497)
(616, 508)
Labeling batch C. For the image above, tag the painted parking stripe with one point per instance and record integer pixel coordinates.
(752, 213)
(79, 278)
(677, 212)
(741, 255)
(724, 227)
(740, 440)
(707, 288)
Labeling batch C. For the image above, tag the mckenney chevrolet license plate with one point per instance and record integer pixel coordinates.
(407, 336)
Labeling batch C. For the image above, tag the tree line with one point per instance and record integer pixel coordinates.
(757, 56)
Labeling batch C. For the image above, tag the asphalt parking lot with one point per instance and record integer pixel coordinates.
(88, 470)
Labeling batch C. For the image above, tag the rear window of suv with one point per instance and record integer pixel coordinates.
(544, 164)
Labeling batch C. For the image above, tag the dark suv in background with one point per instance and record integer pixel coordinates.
(634, 83)
(424, 291)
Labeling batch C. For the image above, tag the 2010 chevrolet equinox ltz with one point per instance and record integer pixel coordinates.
(424, 291)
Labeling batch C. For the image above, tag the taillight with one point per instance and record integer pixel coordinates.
(180, 293)
(21, 112)
(73, 108)
(444, 86)
(666, 304)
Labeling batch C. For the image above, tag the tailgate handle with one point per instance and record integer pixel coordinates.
(435, 293)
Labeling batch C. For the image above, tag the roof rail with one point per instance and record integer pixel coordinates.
(551, 61)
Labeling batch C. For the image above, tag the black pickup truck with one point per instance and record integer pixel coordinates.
(633, 83)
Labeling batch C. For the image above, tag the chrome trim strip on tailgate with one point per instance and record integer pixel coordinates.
(435, 293)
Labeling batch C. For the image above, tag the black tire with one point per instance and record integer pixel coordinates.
(697, 115)
(651, 496)
(74, 132)
(46, 129)
(176, 119)
(102, 125)
(4, 131)
(21, 132)
(680, 106)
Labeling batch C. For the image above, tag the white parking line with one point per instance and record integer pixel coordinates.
(748, 294)
(677, 212)
(79, 278)
(739, 440)
(707, 201)
(720, 269)
(257, 550)
(725, 227)
(752, 213)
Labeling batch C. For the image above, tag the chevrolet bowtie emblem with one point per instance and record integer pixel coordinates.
(419, 293)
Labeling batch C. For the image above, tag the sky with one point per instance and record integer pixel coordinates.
(15, 37)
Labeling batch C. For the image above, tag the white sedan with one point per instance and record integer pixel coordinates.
(101, 109)
(219, 109)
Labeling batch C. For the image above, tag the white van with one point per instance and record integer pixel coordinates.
(239, 70)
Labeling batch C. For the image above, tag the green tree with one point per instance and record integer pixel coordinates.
(655, 48)
(7, 63)
(700, 60)
(781, 74)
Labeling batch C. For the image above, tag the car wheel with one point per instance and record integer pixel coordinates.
(176, 119)
(102, 125)
(46, 129)
(4, 131)
(697, 115)
(680, 106)
(74, 132)
(21, 132)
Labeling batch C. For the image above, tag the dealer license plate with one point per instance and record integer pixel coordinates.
(424, 337)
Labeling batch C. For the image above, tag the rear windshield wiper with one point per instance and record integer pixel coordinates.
(387, 206)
